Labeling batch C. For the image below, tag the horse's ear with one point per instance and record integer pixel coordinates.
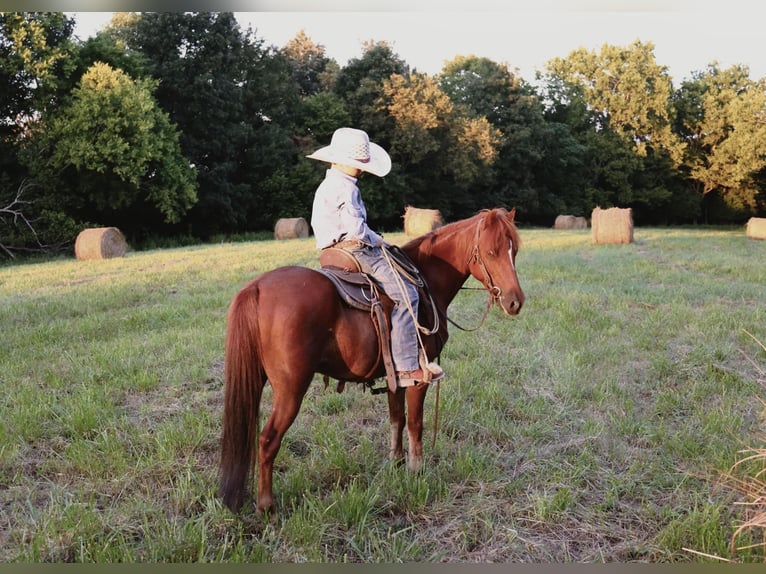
(512, 214)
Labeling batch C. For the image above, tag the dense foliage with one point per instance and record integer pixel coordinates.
(183, 124)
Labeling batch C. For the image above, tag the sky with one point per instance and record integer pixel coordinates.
(687, 34)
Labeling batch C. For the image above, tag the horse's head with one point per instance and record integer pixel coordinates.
(493, 258)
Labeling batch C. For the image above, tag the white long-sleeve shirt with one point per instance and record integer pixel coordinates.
(339, 213)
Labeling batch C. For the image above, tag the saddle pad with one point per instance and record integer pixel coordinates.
(355, 289)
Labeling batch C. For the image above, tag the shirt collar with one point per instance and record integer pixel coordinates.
(338, 173)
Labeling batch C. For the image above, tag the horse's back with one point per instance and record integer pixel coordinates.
(295, 293)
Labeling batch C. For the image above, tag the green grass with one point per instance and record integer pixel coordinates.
(595, 426)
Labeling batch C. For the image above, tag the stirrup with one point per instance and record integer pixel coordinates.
(433, 372)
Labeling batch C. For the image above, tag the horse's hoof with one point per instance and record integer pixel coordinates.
(397, 458)
(266, 508)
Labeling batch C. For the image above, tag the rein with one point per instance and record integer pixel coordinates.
(494, 294)
(491, 299)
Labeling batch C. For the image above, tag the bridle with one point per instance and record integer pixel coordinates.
(494, 291)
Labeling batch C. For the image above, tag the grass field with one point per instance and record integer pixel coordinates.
(595, 426)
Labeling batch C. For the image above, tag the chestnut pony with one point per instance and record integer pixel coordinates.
(290, 323)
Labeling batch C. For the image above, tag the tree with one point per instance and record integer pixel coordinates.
(309, 63)
(321, 114)
(36, 67)
(484, 86)
(232, 101)
(360, 85)
(722, 117)
(14, 223)
(35, 60)
(618, 104)
(539, 163)
(441, 147)
(111, 149)
(627, 91)
(107, 47)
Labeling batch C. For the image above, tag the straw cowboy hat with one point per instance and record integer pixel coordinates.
(353, 147)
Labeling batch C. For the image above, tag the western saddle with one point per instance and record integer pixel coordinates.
(360, 291)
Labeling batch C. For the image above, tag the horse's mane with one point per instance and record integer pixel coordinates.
(424, 244)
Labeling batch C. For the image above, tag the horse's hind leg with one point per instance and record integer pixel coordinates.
(284, 410)
(397, 419)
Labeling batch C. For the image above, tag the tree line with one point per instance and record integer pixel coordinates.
(186, 125)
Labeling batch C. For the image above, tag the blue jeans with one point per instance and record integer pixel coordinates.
(404, 336)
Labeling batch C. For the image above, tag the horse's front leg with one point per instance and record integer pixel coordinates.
(416, 396)
(397, 418)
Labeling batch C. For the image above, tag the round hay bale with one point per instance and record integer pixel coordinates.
(613, 225)
(100, 243)
(580, 223)
(419, 221)
(291, 228)
(570, 222)
(756, 228)
(563, 222)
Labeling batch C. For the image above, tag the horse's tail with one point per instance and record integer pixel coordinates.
(244, 379)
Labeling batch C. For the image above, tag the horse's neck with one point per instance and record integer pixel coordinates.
(444, 267)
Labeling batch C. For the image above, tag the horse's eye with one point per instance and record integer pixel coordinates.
(491, 252)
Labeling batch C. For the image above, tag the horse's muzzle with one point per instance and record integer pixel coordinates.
(511, 304)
